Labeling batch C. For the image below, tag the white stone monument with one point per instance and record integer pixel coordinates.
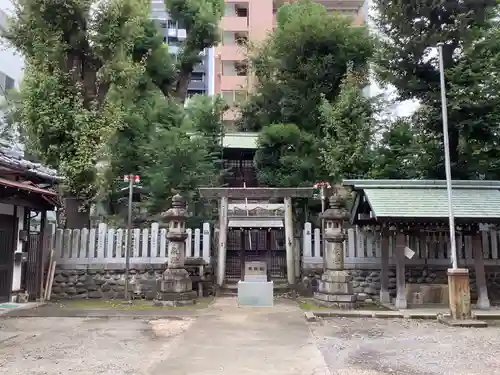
(255, 290)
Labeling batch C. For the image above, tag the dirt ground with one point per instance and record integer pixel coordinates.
(229, 340)
(84, 346)
(406, 347)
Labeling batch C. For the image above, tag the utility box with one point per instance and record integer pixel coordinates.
(255, 271)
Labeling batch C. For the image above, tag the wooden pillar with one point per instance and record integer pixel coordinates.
(483, 301)
(290, 266)
(221, 262)
(459, 293)
(384, 268)
(400, 302)
(41, 248)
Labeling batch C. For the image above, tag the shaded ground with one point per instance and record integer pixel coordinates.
(406, 347)
(223, 339)
(105, 308)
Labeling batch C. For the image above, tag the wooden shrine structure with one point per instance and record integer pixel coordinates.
(399, 208)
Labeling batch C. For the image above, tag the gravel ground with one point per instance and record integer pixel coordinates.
(406, 347)
(85, 346)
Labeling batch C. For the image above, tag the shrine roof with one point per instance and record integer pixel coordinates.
(473, 201)
(257, 192)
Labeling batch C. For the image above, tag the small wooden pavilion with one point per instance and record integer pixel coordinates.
(26, 190)
(399, 209)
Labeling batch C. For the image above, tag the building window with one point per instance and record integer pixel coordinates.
(234, 97)
(197, 77)
(236, 10)
(6, 83)
(241, 68)
(172, 24)
(241, 10)
(234, 68)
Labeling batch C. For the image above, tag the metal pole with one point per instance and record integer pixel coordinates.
(447, 162)
(322, 221)
(129, 235)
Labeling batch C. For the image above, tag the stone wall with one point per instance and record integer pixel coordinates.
(108, 283)
(366, 283)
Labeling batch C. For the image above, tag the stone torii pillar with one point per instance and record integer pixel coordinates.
(176, 288)
(335, 286)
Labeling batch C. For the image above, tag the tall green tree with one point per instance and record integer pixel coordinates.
(397, 154)
(182, 161)
(302, 61)
(287, 156)
(407, 59)
(77, 51)
(349, 125)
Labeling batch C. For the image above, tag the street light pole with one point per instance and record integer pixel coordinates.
(447, 163)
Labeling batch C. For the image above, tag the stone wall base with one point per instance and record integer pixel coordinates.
(366, 283)
(110, 284)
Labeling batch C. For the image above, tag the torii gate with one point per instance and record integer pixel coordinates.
(261, 195)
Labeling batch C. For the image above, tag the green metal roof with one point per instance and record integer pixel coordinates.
(419, 184)
(433, 203)
(419, 199)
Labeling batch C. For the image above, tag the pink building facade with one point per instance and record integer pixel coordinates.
(251, 21)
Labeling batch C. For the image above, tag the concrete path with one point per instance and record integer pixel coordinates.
(232, 340)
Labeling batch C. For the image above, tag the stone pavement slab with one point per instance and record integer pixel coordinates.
(230, 340)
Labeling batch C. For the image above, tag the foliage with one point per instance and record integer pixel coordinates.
(79, 51)
(179, 163)
(303, 60)
(287, 156)
(349, 126)
(396, 156)
(471, 58)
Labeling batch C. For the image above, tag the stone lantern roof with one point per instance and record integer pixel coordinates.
(337, 210)
(177, 211)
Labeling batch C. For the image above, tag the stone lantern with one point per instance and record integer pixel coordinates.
(335, 286)
(176, 286)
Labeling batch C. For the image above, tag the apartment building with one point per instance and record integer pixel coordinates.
(202, 78)
(11, 63)
(252, 20)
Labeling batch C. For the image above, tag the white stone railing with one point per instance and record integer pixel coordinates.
(363, 249)
(106, 245)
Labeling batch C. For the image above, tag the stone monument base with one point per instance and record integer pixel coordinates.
(256, 293)
(176, 289)
(335, 290)
(173, 299)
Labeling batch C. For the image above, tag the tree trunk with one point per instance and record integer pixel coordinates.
(77, 214)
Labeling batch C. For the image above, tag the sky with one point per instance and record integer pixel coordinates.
(405, 108)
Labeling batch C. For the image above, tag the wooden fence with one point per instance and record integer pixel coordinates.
(105, 245)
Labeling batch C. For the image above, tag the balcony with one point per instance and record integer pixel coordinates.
(233, 23)
(233, 82)
(231, 114)
(232, 53)
(332, 5)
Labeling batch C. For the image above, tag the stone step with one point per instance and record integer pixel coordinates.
(230, 287)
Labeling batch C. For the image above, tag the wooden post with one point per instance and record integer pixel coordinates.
(290, 266)
(384, 268)
(221, 263)
(459, 293)
(400, 302)
(40, 250)
(483, 301)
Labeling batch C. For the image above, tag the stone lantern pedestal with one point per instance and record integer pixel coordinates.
(335, 287)
(175, 285)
